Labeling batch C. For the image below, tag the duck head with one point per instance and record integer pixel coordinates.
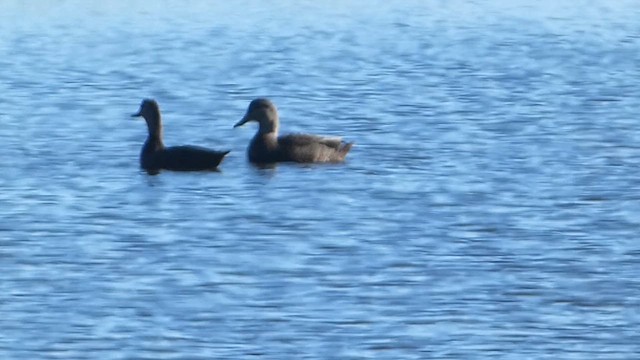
(150, 111)
(264, 112)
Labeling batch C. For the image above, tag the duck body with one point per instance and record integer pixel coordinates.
(301, 148)
(179, 158)
(155, 156)
(267, 147)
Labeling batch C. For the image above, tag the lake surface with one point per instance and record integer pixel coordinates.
(490, 207)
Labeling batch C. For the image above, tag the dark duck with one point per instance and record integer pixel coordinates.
(267, 147)
(155, 156)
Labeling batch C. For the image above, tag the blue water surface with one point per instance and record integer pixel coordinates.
(489, 209)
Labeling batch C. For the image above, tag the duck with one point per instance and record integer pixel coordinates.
(267, 147)
(155, 156)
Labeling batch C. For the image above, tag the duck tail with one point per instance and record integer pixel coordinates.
(344, 150)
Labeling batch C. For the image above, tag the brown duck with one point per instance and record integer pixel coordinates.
(155, 156)
(267, 147)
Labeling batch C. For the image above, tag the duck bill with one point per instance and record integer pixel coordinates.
(136, 115)
(242, 121)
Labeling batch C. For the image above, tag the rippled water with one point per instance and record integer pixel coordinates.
(490, 208)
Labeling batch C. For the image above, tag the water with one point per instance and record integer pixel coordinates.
(489, 209)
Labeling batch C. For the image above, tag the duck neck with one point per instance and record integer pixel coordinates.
(269, 127)
(154, 124)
